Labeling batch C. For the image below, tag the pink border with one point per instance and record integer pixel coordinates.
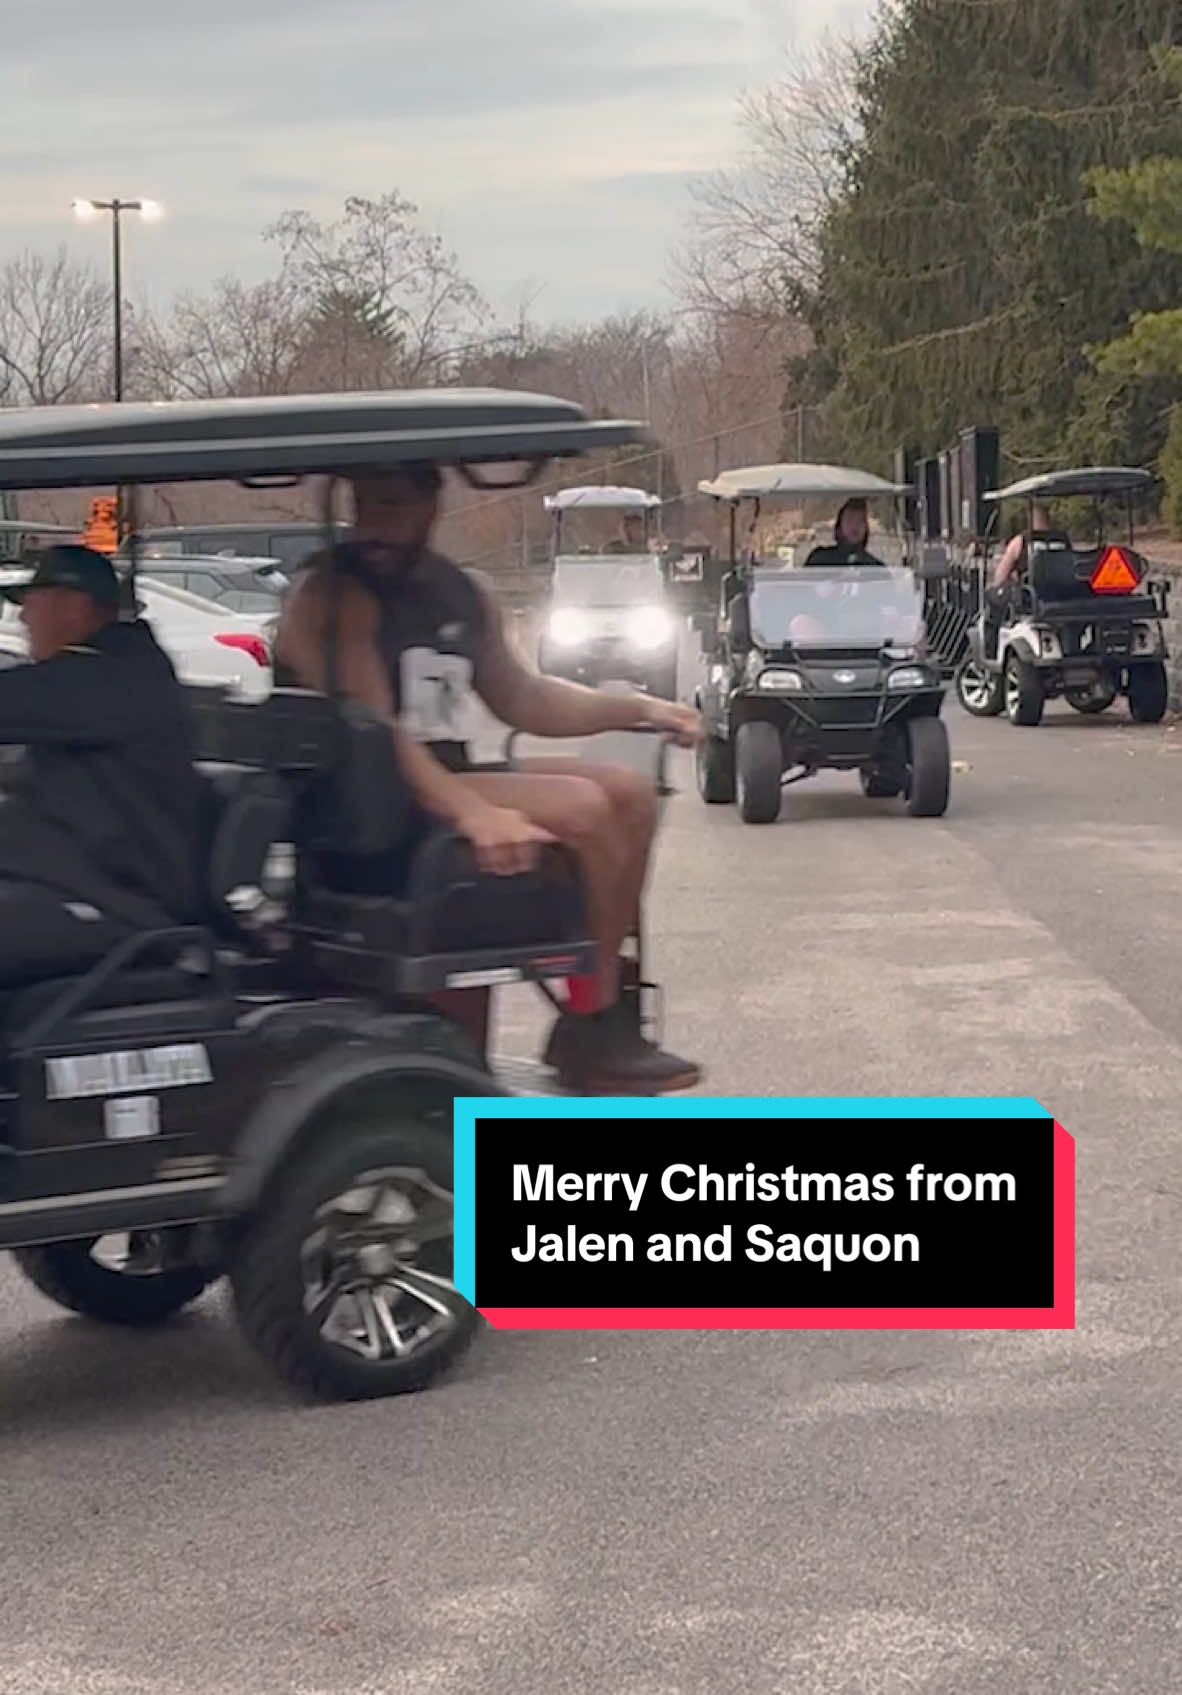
(1059, 1316)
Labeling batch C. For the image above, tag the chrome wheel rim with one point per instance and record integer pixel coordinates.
(1013, 691)
(372, 1266)
(976, 687)
(130, 1253)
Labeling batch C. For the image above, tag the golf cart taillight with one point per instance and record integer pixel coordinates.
(254, 645)
(1116, 573)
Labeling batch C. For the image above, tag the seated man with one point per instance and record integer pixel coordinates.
(632, 537)
(851, 539)
(1008, 572)
(102, 838)
(417, 639)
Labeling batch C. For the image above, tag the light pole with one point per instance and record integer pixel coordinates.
(87, 210)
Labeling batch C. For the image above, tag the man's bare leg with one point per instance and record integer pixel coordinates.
(611, 839)
(577, 813)
(634, 818)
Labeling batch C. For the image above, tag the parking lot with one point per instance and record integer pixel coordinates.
(808, 1514)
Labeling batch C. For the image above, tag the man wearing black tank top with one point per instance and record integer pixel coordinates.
(419, 641)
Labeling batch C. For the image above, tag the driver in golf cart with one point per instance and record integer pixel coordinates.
(103, 838)
(1009, 571)
(417, 641)
(851, 538)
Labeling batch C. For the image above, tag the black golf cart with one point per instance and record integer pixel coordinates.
(817, 666)
(268, 1095)
(1082, 623)
(608, 617)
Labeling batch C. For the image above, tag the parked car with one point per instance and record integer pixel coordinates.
(290, 543)
(255, 585)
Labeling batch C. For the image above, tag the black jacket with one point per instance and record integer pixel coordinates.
(109, 807)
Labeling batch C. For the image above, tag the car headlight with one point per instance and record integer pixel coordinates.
(568, 626)
(775, 680)
(649, 626)
(907, 677)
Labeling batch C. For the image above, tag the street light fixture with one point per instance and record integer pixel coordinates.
(87, 211)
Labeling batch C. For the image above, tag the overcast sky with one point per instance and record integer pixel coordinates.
(552, 142)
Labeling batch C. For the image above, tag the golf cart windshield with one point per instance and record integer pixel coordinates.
(607, 581)
(847, 606)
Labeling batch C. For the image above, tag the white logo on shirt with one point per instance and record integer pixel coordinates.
(436, 695)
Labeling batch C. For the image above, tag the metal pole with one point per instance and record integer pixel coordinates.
(117, 269)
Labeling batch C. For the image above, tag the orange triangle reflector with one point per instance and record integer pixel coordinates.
(1115, 574)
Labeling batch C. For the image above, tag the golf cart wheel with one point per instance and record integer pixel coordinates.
(343, 1278)
(881, 785)
(1024, 693)
(714, 769)
(759, 766)
(1149, 693)
(113, 1279)
(979, 690)
(929, 768)
(1092, 700)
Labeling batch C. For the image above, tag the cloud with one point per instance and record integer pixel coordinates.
(550, 139)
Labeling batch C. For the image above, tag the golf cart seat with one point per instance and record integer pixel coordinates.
(153, 983)
(392, 902)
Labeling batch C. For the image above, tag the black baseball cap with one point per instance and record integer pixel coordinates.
(72, 566)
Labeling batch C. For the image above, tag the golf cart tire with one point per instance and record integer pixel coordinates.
(267, 1273)
(930, 768)
(1088, 704)
(759, 766)
(988, 703)
(65, 1273)
(1149, 693)
(714, 769)
(1025, 697)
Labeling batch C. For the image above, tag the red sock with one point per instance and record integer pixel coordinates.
(582, 995)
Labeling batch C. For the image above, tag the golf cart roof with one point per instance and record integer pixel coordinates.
(174, 441)
(603, 497)
(1096, 480)
(799, 482)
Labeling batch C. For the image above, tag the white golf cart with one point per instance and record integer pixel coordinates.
(608, 618)
(1079, 622)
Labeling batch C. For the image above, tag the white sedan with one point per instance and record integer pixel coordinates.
(208, 644)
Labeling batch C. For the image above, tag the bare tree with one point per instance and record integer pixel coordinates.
(238, 339)
(385, 298)
(755, 243)
(54, 330)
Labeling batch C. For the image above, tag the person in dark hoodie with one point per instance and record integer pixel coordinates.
(102, 837)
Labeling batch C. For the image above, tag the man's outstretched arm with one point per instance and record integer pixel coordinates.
(549, 706)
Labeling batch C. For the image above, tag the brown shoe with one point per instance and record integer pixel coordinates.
(604, 1053)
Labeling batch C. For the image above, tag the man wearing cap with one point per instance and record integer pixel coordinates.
(102, 837)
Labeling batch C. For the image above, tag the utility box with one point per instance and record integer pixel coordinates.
(979, 453)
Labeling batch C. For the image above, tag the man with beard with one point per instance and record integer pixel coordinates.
(418, 641)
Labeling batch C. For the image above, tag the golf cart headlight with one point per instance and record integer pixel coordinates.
(907, 677)
(777, 681)
(568, 626)
(649, 627)
(1146, 638)
(1048, 644)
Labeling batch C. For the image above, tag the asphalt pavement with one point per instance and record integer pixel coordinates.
(686, 1514)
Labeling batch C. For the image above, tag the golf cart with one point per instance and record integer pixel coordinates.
(1081, 623)
(267, 1095)
(819, 666)
(608, 617)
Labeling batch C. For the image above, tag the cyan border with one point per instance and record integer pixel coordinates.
(468, 1109)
